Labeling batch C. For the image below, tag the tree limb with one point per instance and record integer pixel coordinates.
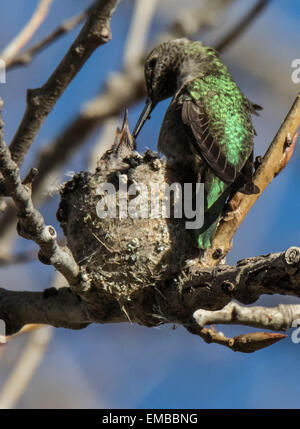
(55, 307)
(31, 223)
(252, 277)
(175, 301)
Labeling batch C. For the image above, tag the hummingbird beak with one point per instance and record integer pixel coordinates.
(143, 117)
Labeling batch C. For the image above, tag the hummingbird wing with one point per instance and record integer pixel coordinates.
(198, 126)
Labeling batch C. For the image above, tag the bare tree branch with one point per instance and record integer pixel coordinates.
(41, 101)
(136, 39)
(251, 278)
(242, 25)
(199, 19)
(28, 31)
(276, 318)
(245, 343)
(23, 257)
(27, 364)
(95, 32)
(26, 57)
(134, 49)
(18, 258)
(59, 308)
(174, 301)
(31, 223)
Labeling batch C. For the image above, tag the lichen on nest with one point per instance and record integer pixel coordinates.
(124, 254)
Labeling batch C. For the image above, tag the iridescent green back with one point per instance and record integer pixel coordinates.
(228, 111)
(229, 121)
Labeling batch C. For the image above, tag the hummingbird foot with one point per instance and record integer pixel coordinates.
(257, 162)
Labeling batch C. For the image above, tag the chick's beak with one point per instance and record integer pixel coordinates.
(143, 117)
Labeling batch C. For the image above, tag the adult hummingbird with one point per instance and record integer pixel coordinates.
(207, 125)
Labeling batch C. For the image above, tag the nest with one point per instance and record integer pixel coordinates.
(127, 249)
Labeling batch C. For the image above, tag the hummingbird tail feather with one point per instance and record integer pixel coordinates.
(205, 235)
(215, 201)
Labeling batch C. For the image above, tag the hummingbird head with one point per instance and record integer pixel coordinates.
(161, 67)
(161, 75)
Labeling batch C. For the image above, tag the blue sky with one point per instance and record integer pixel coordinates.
(130, 366)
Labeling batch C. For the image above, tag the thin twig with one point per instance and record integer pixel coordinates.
(245, 343)
(34, 351)
(27, 56)
(134, 49)
(26, 366)
(22, 257)
(200, 19)
(26, 328)
(19, 258)
(242, 25)
(104, 141)
(28, 31)
(41, 101)
(137, 37)
(276, 318)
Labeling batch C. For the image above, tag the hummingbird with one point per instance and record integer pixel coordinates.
(207, 126)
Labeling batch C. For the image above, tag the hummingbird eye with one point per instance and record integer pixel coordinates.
(152, 63)
(150, 72)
